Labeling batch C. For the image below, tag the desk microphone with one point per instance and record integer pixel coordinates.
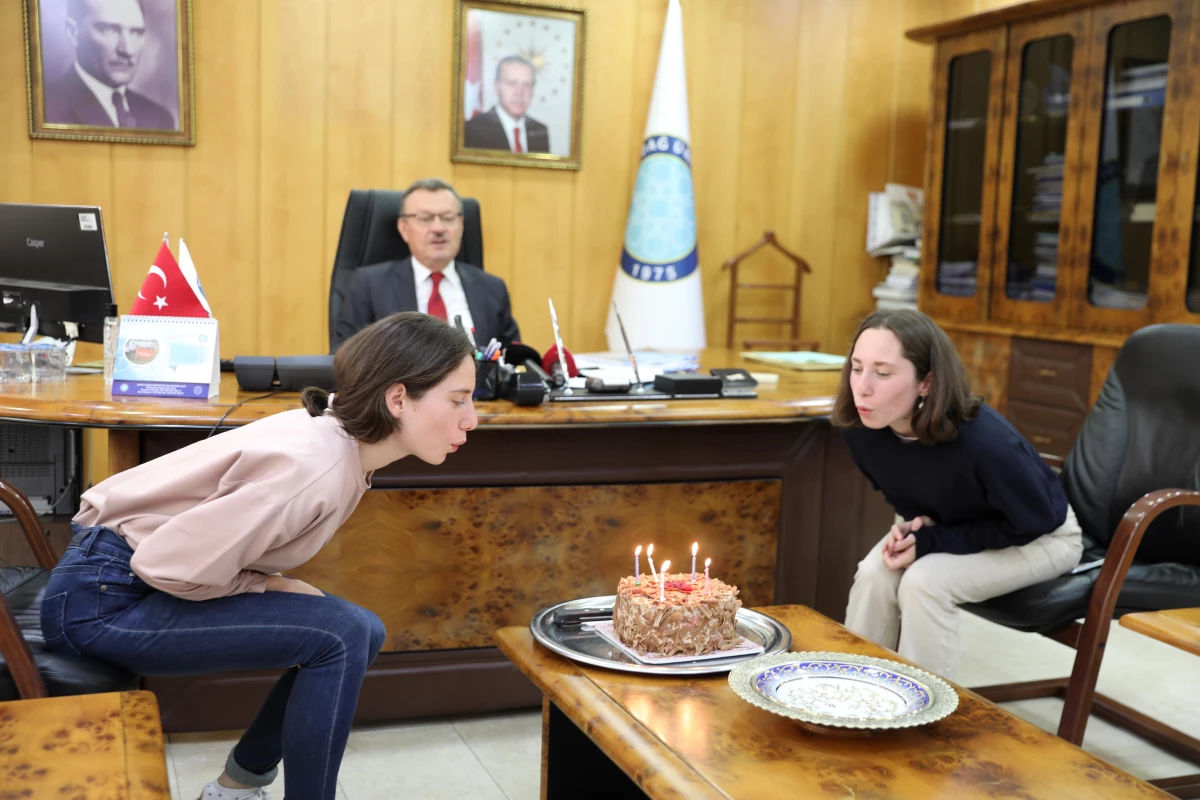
(517, 354)
(552, 364)
(458, 323)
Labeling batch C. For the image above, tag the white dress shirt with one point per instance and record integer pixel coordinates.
(451, 290)
(509, 123)
(103, 93)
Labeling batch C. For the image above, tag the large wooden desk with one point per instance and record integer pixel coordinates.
(614, 734)
(543, 504)
(89, 746)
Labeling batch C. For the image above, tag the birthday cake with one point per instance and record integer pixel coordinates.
(690, 619)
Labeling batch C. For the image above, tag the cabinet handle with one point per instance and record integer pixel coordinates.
(1042, 440)
(1047, 373)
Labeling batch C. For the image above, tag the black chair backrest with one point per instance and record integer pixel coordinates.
(1143, 434)
(369, 236)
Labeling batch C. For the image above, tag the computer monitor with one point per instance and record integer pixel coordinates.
(54, 258)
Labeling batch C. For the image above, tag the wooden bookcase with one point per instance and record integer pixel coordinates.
(1061, 195)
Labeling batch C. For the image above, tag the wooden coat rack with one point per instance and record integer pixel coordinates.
(802, 268)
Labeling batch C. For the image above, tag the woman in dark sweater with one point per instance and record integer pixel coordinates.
(983, 515)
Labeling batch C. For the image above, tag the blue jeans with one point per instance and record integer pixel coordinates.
(96, 606)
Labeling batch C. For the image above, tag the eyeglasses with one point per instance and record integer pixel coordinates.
(427, 219)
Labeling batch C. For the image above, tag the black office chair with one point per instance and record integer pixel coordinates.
(1133, 478)
(27, 668)
(369, 236)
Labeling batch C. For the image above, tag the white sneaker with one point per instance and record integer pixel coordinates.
(215, 791)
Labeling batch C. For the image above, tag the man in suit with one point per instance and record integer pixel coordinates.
(505, 126)
(430, 280)
(108, 36)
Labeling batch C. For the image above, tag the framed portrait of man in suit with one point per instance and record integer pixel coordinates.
(518, 83)
(110, 70)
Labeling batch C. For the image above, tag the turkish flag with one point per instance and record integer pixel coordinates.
(166, 292)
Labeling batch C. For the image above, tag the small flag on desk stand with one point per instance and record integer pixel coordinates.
(171, 290)
(169, 343)
(657, 285)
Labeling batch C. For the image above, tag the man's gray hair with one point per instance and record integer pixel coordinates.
(516, 60)
(429, 185)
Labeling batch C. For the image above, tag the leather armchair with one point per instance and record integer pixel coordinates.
(1133, 478)
(369, 236)
(27, 669)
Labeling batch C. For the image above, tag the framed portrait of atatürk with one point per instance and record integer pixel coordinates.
(110, 70)
(518, 83)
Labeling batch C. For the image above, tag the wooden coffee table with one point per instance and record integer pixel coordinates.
(616, 735)
(91, 745)
(1179, 627)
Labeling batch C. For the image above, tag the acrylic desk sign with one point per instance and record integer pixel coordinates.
(167, 357)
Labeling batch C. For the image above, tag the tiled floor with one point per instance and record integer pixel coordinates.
(498, 757)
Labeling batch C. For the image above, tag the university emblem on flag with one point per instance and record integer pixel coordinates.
(660, 234)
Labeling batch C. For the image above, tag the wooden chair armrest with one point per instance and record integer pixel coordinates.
(1105, 591)
(35, 534)
(18, 656)
(1125, 543)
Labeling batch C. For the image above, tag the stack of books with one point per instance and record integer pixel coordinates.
(893, 219)
(957, 278)
(1047, 192)
(1139, 87)
(899, 288)
(1109, 295)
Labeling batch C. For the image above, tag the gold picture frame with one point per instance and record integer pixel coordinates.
(518, 84)
(123, 73)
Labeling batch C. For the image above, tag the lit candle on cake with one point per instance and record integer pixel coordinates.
(707, 561)
(637, 575)
(650, 558)
(662, 582)
(695, 547)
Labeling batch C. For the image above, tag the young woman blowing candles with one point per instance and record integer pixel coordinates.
(983, 513)
(174, 566)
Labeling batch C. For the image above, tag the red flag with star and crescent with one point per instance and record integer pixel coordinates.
(166, 292)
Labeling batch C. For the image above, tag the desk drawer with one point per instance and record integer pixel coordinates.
(1051, 430)
(1050, 373)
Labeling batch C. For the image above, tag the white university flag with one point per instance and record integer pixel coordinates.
(657, 286)
(188, 268)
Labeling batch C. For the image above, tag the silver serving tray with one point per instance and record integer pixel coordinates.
(570, 640)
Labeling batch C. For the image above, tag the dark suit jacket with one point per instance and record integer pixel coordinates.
(486, 132)
(70, 102)
(382, 289)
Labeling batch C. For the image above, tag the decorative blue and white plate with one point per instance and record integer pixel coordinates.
(843, 690)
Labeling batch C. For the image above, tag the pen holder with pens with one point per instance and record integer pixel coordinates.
(487, 380)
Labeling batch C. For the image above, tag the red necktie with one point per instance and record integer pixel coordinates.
(437, 306)
(517, 141)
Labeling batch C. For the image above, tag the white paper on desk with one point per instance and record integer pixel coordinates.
(614, 375)
(743, 648)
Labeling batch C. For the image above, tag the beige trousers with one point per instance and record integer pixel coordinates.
(925, 596)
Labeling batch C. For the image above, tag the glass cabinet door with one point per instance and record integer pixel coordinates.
(1127, 199)
(962, 174)
(1131, 125)
(1037, 193)
(1175, 277)
(960, 201)
(1039, 155)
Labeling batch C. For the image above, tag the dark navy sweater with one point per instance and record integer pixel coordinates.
(986, 490)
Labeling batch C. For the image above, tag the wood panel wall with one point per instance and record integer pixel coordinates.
(798, 109)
